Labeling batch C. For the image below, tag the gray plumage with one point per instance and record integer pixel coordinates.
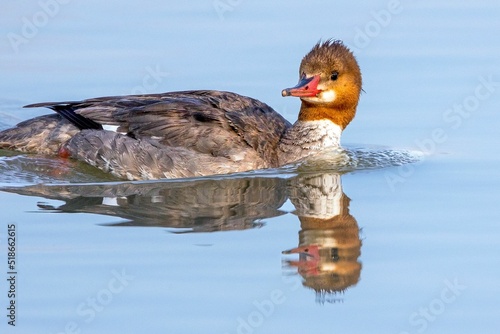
(170, 135)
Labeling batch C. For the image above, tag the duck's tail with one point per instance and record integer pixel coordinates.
(43, 135)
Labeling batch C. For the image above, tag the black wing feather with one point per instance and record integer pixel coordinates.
(78, 120)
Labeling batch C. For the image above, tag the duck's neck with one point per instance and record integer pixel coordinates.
(317, 128)
(338, 114)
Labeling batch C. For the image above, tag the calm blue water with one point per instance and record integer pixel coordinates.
(391, 249)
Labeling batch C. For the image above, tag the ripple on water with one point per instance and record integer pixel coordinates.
(352, 159)
(25, 169)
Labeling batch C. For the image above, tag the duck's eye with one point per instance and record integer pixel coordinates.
(334, 76)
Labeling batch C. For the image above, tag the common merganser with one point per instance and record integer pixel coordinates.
(203, 132)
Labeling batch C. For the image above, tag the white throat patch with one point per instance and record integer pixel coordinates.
(327, 96)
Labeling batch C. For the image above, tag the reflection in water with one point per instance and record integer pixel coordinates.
(329, 243)
(199, 206)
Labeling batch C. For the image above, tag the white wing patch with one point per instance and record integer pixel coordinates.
(112, 128)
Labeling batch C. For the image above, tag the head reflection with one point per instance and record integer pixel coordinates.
(329, 243)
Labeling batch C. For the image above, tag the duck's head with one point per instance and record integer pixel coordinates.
(329, 84)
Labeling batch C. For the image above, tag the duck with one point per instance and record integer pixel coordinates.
(200, 132)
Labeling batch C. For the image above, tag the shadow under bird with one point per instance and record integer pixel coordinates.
(202, 132)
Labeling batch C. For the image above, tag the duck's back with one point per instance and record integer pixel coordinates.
(175, 134)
